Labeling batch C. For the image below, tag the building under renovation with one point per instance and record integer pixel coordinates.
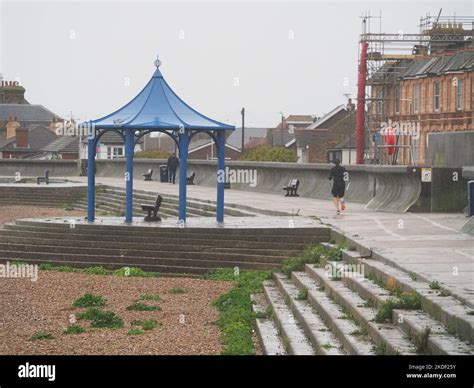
(410, 95)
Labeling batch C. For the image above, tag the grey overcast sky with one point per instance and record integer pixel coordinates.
(92, 57)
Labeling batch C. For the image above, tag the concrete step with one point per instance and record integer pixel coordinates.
(293, 336)
(137, 212)
(182, 247)
(230, 256)
(387, 336)
(297, 235)
(266, 329)
(169, 233)
(132, 261)
(412, 322)
(175, 240)
(322, 339)
(118, 195)
(449, 311)
(353, 339)
(119, 202)
(165, 269)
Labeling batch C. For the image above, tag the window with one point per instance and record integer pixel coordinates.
(397, 99)
(436, 96)
(416, 98)
(459, 94)
(380, 101)
(333, 155)
(114, 152)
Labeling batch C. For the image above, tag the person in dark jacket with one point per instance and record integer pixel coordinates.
(173, 163)
(338, 176)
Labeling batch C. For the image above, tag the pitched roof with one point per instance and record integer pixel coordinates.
(305, 134)
(203, 143)
(68, 144)
(256, 142)
(424, 66)
(38, 137)
(318, 123)
(235, 138)
(26, 113)
(280, 138)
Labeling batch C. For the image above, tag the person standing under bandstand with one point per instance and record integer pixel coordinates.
(337, 175)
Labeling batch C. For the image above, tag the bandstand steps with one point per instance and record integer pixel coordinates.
(144, 246)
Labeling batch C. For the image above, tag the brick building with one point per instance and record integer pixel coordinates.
(316, 142)
(422, 95)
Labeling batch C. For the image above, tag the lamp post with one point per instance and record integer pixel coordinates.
(242, 112)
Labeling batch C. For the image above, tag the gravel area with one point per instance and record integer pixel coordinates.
(12, 212)
(46, 305)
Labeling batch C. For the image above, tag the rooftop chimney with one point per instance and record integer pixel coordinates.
(11, 92)
(12, 125)
(21, 137)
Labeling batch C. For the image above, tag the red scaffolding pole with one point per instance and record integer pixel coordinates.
(360, 115)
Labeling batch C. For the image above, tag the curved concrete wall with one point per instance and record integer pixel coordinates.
(271, 177)
(383, 188)
(396, 189)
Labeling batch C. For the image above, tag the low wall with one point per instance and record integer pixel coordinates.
(9, 167)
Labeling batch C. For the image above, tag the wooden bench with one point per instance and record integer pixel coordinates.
(190, 179)
(153, 210)
(44, 178)
(292, 188)
(148, 175)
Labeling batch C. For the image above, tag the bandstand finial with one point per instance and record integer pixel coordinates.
(157, 62)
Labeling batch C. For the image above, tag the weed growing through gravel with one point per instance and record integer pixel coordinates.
(41, 335)
(89, 300)
(59, 268)
(135, 332)
(236, 318)
(94, 271)
(138, 306)
(150, 297)
(434, 285)
(101, 319)
(177, 290)
(74, 329)
(149, 324)
(134, 271)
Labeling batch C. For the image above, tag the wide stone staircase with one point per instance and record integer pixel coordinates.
(174, 250)
(111, 200)
(316, 311)
(41, 195)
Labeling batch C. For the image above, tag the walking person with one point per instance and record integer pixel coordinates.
(173, 163)
(337, 175)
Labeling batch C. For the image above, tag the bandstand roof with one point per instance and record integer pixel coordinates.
(157, 106)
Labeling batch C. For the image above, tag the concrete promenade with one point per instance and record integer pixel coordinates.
(429, 245)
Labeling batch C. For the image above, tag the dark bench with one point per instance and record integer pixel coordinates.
(292, 188)
(153, 210)
(148, 175)
(44, 178)
(190, 179)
